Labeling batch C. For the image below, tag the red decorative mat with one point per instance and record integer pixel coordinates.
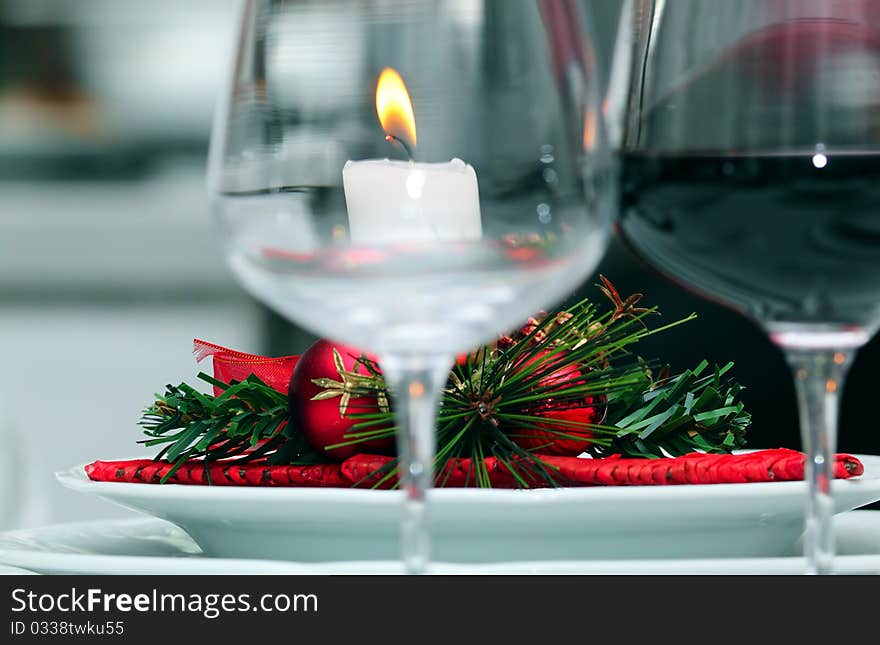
(362, 470)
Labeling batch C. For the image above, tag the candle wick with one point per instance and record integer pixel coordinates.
(390, 138)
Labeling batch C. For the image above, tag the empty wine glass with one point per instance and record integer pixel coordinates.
(751, 174)
(412, 178)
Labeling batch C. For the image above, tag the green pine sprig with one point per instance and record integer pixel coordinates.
(248, 421)
(575, 358)
(676, 415)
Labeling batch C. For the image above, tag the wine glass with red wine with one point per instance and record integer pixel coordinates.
(751, 175)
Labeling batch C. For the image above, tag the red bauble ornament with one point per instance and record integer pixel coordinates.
(320, 420)
(543, 437)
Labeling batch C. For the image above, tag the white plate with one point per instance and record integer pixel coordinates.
(473, 525)
(14, 571)
(153, 547)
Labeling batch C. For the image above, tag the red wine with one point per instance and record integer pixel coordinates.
(784, 238)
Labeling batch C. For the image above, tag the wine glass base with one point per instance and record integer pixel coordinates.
(819, 356)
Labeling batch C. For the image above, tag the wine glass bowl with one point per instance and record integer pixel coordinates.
(484, 97)
(412, 179)
(751, 175)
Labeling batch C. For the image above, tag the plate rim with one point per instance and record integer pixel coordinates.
(198, 564)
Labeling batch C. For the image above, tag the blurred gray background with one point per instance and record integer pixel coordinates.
(109, 264)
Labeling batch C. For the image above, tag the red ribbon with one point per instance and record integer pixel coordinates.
(780, 464)
(232, 365)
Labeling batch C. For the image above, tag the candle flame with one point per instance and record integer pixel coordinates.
(589, 140)
(394, 107)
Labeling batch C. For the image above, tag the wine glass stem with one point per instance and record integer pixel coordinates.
(819, 376)
(416, 384)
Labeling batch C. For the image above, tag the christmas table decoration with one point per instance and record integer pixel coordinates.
(563, 401)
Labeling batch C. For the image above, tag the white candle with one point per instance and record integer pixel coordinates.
(403, 201)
